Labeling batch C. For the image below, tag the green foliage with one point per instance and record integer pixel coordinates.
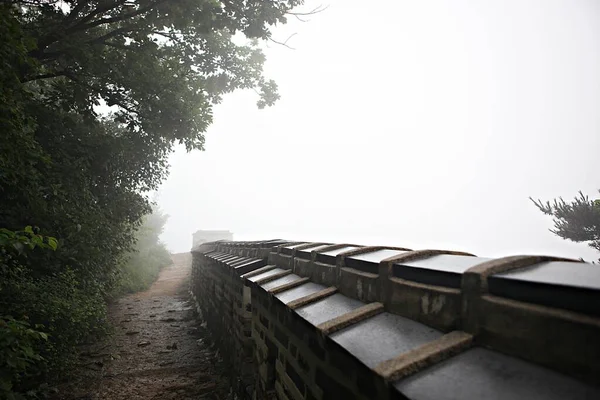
(161, 64)
(19, 356)
(20, 347)
(149, 256)
(69, 313)
(578, 221)
(84, 177)
(28, 238)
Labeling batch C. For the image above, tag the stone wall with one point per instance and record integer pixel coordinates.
(344, 321)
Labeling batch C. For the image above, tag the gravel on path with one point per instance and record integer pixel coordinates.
(159, 349)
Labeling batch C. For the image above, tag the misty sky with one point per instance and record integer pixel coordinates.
(424, 124)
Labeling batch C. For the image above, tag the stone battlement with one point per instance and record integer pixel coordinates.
(302, 320)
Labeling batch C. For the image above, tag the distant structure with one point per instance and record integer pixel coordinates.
(210, 236)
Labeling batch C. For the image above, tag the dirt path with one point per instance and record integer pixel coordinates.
(158, 350)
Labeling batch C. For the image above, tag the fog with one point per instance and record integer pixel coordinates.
(424, 124)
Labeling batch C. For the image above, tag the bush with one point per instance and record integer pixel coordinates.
(47, 315)
(21, 346)
(20, 360)
(68, 312)
(142, 265)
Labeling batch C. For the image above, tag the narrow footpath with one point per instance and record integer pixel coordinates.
(159, 348)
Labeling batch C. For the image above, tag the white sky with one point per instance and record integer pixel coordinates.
(413, 123)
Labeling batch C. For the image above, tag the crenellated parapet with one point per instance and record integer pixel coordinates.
(304, 320)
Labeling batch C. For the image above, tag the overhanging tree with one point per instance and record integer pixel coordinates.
(161, 63)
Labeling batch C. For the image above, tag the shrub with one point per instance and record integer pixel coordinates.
(21, 345)
(20, 360)
(142, 265)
